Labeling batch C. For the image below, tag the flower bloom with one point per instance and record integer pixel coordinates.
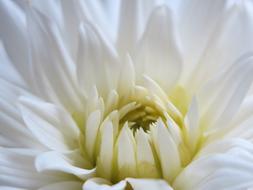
(109, 95)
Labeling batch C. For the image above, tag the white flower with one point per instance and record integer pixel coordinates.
(109, 95)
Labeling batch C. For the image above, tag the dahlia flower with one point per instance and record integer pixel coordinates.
(126, 95)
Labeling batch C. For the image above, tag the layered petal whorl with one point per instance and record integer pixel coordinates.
(126, 95)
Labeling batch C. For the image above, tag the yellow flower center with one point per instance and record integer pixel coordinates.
(141, 135)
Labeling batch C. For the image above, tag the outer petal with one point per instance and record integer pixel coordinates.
(14, 36)
(197, 23)
(66, 185)
(223, 24)
(103, 14)
(222, 165)
(133, 183)
(97, 61)
(128, 26)
(102, 184)
(192, 125)
(132, 20)
(71, 162)
(8, 71)
(52, 125)
(105, 157)
(158, 55)
(52, 67)
(11, 188)
(13, 130)
(143, 184)
(167, 151)
(146, 164)
(126, 149)
(17, 170)
(243, 130)
(127, 78)
(91, 132)
(220, 99)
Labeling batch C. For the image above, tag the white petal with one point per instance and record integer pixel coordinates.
(126, 149)
(192, 124)
(127, 78)
(71, 163)
(65, 15)
(174, 129)
(219, 105)
(223, 165)
(95, 102)
(10, 188)
(167, 151)
(95, 52)
(66, 185)
(17, 170)
(50, 9)
(129, 24)
(14, 35)
(111, 101)
(243, 130)
(53, 70)
(225, 146)
(91, 131)
(197, 26)
(146, 164)
(226, 44)
(158, 55)
(102, 184)
(71, 25)
(143, 184)
(8, 71)
(103, 14)
(132, 21)
(52, 126)
(245, 111)
(13, 130)
(105, 157)
(154, 88)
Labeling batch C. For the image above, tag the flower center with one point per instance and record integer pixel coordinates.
(141, 135)
(141, 117)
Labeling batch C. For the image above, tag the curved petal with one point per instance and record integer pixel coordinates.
(135, 184)
(102, 184)
(220, 99)
(105, 157)
(66, 185)
(103, 14)
(8, 71)
(243, 130)
(127, 78)
(223, 40)
(146, 163)
(197, 26)
(143, 184)
(71, 163)
(17, 170)
(167, 151)
(97, 61)
(51, 125)
(126, 149)
(91, 131)
(14, 36)
(52, 67)
(158, 56)
(11, 188)
(222, 165)
(13, 130)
